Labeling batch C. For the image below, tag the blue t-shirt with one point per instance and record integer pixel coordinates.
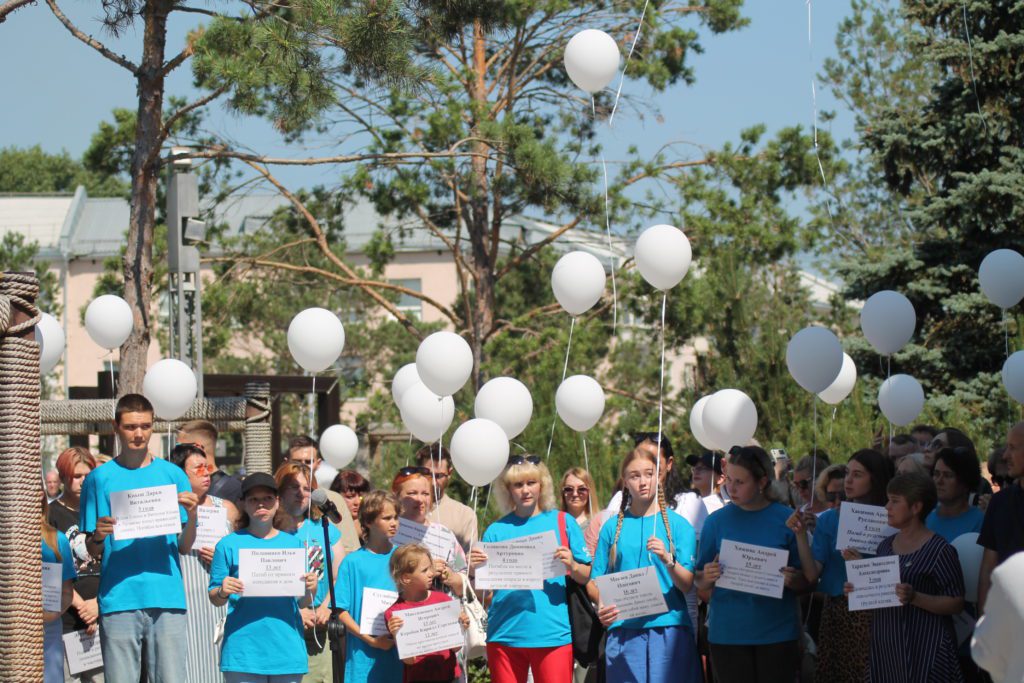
(67, 557)
(261, 635)
(823, 547)
(951, 528)
(311, 536)
(142, 573)
(631, 553)
(738, 618)
(522, 618)
(365, 569)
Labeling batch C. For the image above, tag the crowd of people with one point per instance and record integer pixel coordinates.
(174, 606)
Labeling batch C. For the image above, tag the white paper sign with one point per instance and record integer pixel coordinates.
(52, 586)
(211, 526)
(510, 566)
(429, 629)
(272, 572)
(437, 539)
(862, 527)
(636, 593)
(752, 568)
(874, 582)
(83, 651)
(141, 513)
(375, 601)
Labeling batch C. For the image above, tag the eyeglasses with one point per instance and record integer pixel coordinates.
(200, 469)
(411, 470)
(835, 496)
(579, 491)
(522, 459)
(803, 484)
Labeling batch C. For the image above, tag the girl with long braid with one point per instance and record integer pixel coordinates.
(659, 647)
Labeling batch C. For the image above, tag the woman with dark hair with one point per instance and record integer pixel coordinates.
(352, 486)
(214, 517)
(753, 638)
(844, 635)
(917, 642)
(956, 474)
(947, 437)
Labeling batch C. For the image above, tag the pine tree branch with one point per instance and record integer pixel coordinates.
(537, 246)
(390, 157)
(12, 5)
(120, 60)
(201, 102)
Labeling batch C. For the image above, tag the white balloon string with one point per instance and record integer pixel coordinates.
(593, 109)
(113, 400)
(437, 465)
(1006, 350)
(565, 369)
(888, 376)
(830, 424)
(586, 466)
(309, 503)
(814, 451)
(622, 77)
(661, 403)
(611, 253)
(974, 81)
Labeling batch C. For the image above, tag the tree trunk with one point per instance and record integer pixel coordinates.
(479, 220)
(138, 257)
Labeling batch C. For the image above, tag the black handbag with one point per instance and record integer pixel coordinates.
(586, 629)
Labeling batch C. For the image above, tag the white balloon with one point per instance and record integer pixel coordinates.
(843, 384)
(814, 357)
(729, 419)
(444, 362)
(888, 321)
(325, 475)
(901, 399)
(404, 378)
(507, 402)
(969, 553)
(316, 338)
(171, 387)
(592, 60)
(663, 256)
(339, 445)
(1013, 376)
(479, 451)
(1002, 277)
(697, 423)
(50, 336)
(578, 282)
(426, 414)
(580, 402)
(109, 321)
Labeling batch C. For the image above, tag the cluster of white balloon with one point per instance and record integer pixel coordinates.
(1002, 280)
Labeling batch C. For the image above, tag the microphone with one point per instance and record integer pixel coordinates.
(319, 498)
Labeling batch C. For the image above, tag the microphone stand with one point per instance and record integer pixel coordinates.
(335, 629)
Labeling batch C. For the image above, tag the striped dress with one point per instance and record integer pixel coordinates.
(203, 618)
(908, 644)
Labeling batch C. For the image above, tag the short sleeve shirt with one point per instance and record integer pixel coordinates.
(1003, 527)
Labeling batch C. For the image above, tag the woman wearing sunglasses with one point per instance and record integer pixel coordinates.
(414, 489)
(529, 629)
(203, 617)
(578, 495)
(831, 486)
(803, 481)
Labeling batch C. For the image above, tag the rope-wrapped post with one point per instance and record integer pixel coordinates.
(258, 434)
(21, 619)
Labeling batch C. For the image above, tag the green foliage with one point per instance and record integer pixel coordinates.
(19, 256)
(943, 143)
(31, 170)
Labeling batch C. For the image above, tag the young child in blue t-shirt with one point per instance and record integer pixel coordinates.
(659, 647)
(369, 656)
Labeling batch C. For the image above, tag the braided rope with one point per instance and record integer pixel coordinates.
(219, 409)
(21, 624)
(258, 433)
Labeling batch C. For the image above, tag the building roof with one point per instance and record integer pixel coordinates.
(65, 225)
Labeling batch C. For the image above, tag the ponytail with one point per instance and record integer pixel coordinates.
(664, 518)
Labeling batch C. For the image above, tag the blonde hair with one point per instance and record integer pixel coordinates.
(825, 478)
(519, 472)
(651, 456)
(405, 560)
(583, 476)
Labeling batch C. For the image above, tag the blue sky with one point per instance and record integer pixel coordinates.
(60, 89)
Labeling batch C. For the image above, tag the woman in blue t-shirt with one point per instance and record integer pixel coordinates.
(753, 638)
(843, 636)
(658, 647)
(528, 630)
(262, 635)
(57, 553)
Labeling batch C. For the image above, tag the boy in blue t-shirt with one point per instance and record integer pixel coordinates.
(141, 596)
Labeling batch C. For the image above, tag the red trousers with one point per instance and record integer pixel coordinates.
(510, 664)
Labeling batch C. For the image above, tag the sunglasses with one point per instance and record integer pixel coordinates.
(411, 470)
(579, 491)
(803, 484)
(834, 496)
(201, 469)
(522, 459)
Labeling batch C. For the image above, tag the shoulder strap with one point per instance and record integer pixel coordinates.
(562, 534)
